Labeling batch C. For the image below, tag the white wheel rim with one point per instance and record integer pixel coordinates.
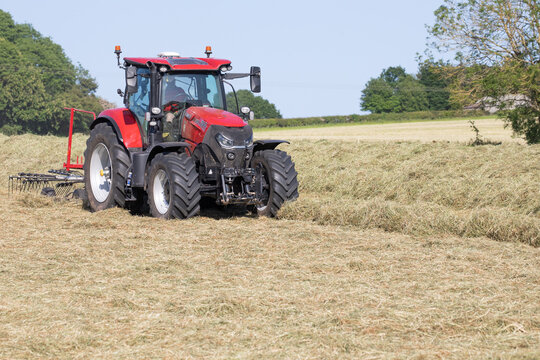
(100, 172)
(161, 192)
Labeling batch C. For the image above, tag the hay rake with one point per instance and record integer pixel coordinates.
(61, 182)
(55, 183)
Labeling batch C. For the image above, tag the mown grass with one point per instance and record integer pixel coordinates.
(75, 284)
(421, 189)
(367, 122)
(383, 118)
(323, 281)
(33, 153)
(491, 130)
(408, 187)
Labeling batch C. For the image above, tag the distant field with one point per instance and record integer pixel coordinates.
(426, 131)
(395, 249)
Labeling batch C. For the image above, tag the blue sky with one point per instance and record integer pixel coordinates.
(315, 56)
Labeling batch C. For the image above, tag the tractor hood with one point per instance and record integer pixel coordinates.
(215, 116)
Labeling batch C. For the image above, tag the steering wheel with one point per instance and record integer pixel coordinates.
(183, 97)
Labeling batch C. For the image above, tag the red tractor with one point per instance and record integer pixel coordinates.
(176, 140)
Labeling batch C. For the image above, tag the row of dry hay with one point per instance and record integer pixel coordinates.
(421, 189)
(407, 187)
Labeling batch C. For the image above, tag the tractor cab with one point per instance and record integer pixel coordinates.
(163, 88)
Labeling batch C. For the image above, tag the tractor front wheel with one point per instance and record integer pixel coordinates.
(105, 169)
(173, 187)
(276, 180)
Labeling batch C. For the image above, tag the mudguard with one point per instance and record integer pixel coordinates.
(125, 124)
(167, 147)
(267, 144)
(141, 159)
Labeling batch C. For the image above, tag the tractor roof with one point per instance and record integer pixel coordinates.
(181, 63)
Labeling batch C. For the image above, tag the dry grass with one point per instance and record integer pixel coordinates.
(421, 189)
(322, 282)
(110, 285)
(37, 153)
(425, 131)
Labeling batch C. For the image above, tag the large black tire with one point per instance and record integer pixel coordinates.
(102, 137)
(173, 187)
(279, 180)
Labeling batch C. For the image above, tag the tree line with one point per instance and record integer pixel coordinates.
(395, 91)
(262, 108)
(37, 80)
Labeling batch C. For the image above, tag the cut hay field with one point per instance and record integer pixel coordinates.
(395, 249)
(458, 130)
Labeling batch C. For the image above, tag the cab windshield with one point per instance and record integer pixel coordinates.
(192, 89)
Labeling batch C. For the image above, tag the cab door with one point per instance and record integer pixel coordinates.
(139, 102)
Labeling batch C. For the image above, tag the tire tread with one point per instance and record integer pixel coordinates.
(284, 179)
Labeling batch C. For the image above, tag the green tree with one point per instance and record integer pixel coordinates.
(23, 98)
(411, 94)
(394, 91)
(393, 75)
(37, 80)
(432, 75)
(262, 108)
(498, 56)
(378, 97)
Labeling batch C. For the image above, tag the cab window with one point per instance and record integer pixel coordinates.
(192, 89)
(139, 102)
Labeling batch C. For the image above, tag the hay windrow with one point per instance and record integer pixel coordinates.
(417, 219)
(421, 189)
(409, 187)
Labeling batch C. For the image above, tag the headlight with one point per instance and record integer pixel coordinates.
(249, 141)
(223, 141)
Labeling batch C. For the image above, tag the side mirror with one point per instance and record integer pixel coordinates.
(131, 79)
(255, 79)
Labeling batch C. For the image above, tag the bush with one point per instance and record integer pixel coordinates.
(10, 130)
(525, 122)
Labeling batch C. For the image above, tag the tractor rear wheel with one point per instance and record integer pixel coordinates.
(278, 180)
(173, 187)
(105, 168)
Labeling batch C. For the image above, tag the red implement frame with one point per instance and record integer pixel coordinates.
(68, 165)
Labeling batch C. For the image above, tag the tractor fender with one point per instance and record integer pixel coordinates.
(267, 144)
(142, 159)
(125, 125)
(166, 147)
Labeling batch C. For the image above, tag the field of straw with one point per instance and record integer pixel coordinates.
(395, 249)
